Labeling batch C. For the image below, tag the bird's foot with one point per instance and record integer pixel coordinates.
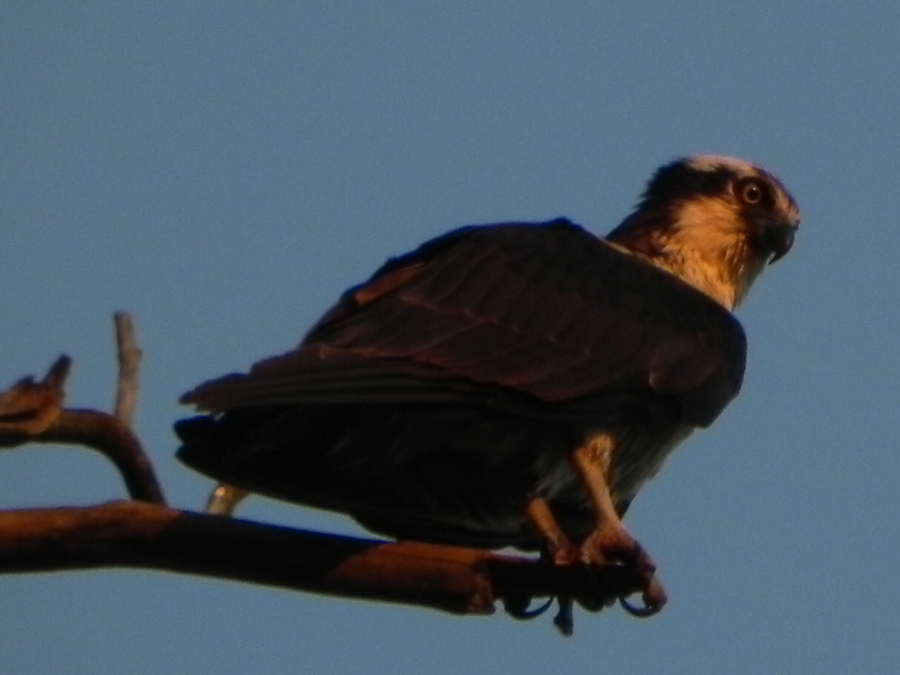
(609, 544)
(520, 608)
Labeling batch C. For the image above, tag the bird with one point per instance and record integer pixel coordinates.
(513, 384)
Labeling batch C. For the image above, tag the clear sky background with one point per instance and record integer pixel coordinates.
(223, 170)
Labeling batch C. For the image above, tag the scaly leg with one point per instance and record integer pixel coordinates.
(610, 541)
(560, 550)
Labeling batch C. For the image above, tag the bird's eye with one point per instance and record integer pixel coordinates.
(751, 192)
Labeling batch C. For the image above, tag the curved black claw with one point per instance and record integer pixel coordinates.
(517, 608)
(600, 599)
(654, 598)
(564, 620)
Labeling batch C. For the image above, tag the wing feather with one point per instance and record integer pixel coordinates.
(547, 311)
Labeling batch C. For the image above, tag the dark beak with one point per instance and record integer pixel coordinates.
(778, 238)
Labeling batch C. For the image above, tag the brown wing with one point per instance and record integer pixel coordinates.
(547, 311)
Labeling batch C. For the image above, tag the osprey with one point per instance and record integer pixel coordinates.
(512, 384)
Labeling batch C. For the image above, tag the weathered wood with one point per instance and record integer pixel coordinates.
(132, 534)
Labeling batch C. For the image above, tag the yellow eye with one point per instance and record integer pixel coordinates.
(751, 192)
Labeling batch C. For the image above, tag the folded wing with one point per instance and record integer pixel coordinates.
(547, 312)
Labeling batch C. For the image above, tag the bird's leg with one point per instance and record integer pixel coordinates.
(559, 548)
(610, 541)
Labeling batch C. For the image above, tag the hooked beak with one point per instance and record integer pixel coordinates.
(778, 238)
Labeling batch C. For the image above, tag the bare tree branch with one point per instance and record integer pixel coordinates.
(129, 356)
(32, 412)
(132, 534)
(106, 434)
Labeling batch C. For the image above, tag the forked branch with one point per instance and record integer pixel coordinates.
(33, 412)
(144, 533)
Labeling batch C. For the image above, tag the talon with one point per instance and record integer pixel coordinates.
(595, 603)
(609, 544)
(566, 554)
(563, 619)
(517, 608)
(613, 544)
(654, 597)
(558, 548)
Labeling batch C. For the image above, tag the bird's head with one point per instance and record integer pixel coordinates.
(713, 221)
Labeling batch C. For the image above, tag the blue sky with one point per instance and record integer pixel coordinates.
(224, 170)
